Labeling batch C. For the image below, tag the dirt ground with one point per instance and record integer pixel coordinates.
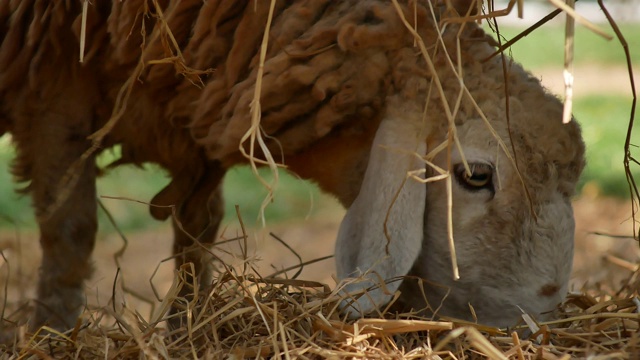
(589, 80)
(600, 259)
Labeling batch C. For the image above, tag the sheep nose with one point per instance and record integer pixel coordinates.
(549, 289)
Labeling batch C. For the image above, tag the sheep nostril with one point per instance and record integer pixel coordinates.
(549, 289)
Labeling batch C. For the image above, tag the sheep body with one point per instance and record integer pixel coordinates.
(331, 68)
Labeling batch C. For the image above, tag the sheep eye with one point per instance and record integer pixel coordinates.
(481, 176)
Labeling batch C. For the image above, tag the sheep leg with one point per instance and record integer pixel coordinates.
(64, 193)
(195, 230)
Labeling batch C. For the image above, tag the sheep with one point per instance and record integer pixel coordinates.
(347, 99)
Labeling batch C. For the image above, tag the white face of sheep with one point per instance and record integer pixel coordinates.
(509, 261)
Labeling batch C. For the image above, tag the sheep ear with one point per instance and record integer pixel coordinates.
(361, 247)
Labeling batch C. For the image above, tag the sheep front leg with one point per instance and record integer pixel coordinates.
(198, 219)
(204, 227)
(64, 196)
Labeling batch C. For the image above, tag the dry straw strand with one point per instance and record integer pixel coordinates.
(254, 133)
(83, 29)
(448, 113)
(567, 8)
(568, 65)
(628, 158)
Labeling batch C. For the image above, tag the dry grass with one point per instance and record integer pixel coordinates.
(244, 315)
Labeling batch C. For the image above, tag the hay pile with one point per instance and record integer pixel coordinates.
(247, 316)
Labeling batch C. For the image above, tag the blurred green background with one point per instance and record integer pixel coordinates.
(604, 117)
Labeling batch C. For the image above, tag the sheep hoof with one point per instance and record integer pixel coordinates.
(60, 309)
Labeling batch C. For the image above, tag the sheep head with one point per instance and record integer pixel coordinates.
(513, 230)
(511, 179)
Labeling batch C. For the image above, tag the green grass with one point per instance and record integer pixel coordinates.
(604, 121)
(544, 47)
(294, 198)
(14, 209)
